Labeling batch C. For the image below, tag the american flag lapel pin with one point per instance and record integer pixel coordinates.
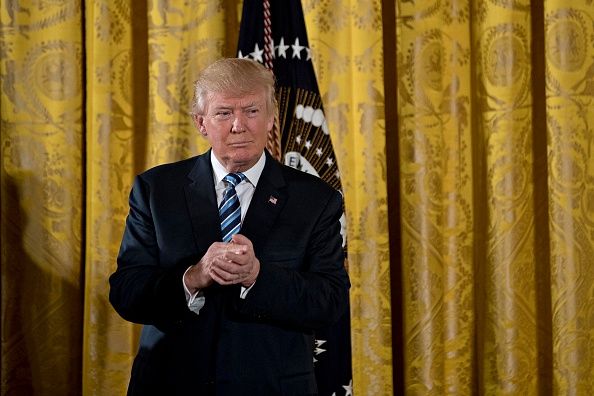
(272, 200)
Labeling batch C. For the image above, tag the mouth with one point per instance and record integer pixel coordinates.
(239, 144)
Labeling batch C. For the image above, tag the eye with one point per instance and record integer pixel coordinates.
(252, 112)
(222, 114)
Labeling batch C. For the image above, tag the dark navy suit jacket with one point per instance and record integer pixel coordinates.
(260, 345)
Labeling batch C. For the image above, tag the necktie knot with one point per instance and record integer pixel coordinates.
(234, 178)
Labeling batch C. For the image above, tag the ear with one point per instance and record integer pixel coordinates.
(199, 123)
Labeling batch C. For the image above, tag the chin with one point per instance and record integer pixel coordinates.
(242, 162)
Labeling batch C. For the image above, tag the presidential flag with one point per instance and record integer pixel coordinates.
(273, 33)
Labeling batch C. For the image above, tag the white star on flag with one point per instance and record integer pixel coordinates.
(319, 152)
(307, 144)
(242, 56)
(348, 388)
(298, 139)
(308, 52)
(282, 48)
(319, 350)
(297, 49)
(257, 54)
(329, 161)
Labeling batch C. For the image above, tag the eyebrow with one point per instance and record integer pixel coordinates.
(230, 107)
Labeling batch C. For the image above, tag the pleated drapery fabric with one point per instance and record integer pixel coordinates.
(42, 199)
(485, 284)
(496, 181)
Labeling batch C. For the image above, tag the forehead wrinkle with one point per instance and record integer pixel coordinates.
(229, 102)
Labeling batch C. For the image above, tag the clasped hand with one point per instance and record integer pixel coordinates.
(226, 264)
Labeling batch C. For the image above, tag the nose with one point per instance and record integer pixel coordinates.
(238, 123)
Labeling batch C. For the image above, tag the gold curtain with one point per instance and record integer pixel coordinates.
(41, 198)
(346, 40)
(496, 190)
(488, 103)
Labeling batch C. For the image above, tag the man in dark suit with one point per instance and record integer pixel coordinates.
(229, 305)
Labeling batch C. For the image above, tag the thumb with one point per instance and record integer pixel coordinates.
(241, 240)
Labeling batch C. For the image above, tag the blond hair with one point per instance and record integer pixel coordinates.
(236, 76)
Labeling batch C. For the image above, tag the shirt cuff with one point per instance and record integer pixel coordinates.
(195, 301)
(245, 290)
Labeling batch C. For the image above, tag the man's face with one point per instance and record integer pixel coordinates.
(236, 128)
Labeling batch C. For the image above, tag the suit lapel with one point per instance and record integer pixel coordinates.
(269, 198)
(202, 203)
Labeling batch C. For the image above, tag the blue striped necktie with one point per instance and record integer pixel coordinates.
(229, 211)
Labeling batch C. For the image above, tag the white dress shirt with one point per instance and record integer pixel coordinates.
(245, 191)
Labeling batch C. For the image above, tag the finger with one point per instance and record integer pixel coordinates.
(236, 248)
(218, 279)
(218, 246)
(230, 267)
(240, 259)
(217, 249)
(226, 278)
(221, 275)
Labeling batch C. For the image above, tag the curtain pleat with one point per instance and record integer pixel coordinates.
(570, 118)
(346, 40)
(114, 121)
(506, 286)
(436, 193)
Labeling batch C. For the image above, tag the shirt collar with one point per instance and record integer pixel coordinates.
(252, 175)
